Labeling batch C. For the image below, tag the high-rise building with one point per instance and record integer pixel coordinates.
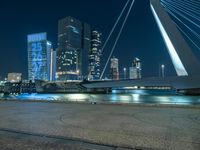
(94, 55)
(135, 70)
(73, 46)
(85, 51)
(114, 68)
(39, 57)
(53, 65)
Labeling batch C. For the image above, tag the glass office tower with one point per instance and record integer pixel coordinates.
(73, 46)
(39, 57)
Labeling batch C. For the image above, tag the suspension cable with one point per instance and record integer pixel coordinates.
(183, 31)
(192, 31)
(117, 21)
(118, 36)
(178, 12)
(188, 37)
(183, 11)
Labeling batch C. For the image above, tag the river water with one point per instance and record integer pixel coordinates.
(136, 96)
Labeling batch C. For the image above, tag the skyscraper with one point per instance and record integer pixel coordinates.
(39, 56)
(114, 68)
(53, 65)
(135, 70)
(94, 55)
(73, 46)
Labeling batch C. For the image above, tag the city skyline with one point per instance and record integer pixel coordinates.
(131, 44)
(100, 74)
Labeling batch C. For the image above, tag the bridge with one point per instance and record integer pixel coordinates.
(186, 64)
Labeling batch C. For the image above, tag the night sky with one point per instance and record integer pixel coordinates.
(140, 37)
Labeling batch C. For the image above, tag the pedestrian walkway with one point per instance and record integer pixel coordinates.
(107, 126)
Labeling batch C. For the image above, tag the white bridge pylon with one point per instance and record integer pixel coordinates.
(182, 56)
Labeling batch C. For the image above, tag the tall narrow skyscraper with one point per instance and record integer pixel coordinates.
(39, 57)
(94, 55)
(135, 70)
(53, 65)
(73, 46)
(114, 68)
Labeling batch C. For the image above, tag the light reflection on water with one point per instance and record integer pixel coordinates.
(137, 96)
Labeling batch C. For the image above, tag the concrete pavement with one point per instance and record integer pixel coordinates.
(114, 125)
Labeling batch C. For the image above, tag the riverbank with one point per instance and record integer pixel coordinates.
(109, 103)
(117, 125)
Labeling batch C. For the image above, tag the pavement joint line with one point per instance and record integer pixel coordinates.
(84, 142)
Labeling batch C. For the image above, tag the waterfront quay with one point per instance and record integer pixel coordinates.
(46, 125)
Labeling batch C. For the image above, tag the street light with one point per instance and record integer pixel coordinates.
(124, 73)
(163, 70)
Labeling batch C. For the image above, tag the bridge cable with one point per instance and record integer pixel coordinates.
(185, 33)
(188, 37)
(189, 5)
(175, 16)
(192, 31)
(184, 11)
(178, 12)
(118, 36)
(113, 28)
(185, 6)
(194, 3)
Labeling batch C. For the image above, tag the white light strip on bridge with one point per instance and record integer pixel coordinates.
(180, 69)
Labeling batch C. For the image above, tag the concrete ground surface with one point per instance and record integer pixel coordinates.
(38, 125)
(13, 140)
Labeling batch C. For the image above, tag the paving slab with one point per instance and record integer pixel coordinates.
(120, 126)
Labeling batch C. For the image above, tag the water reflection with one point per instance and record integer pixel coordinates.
(137, 96)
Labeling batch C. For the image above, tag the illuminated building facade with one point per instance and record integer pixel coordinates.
(94, 55)
(39, 57)
(14, 77)
(53, 65)
(73, 46)
(114, 68)
(51, 60)
(135, 70)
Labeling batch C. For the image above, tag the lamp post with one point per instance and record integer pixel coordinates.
(78, 74)
(163, 70)
(124, 73)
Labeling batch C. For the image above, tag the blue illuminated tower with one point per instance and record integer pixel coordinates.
(40, 61)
